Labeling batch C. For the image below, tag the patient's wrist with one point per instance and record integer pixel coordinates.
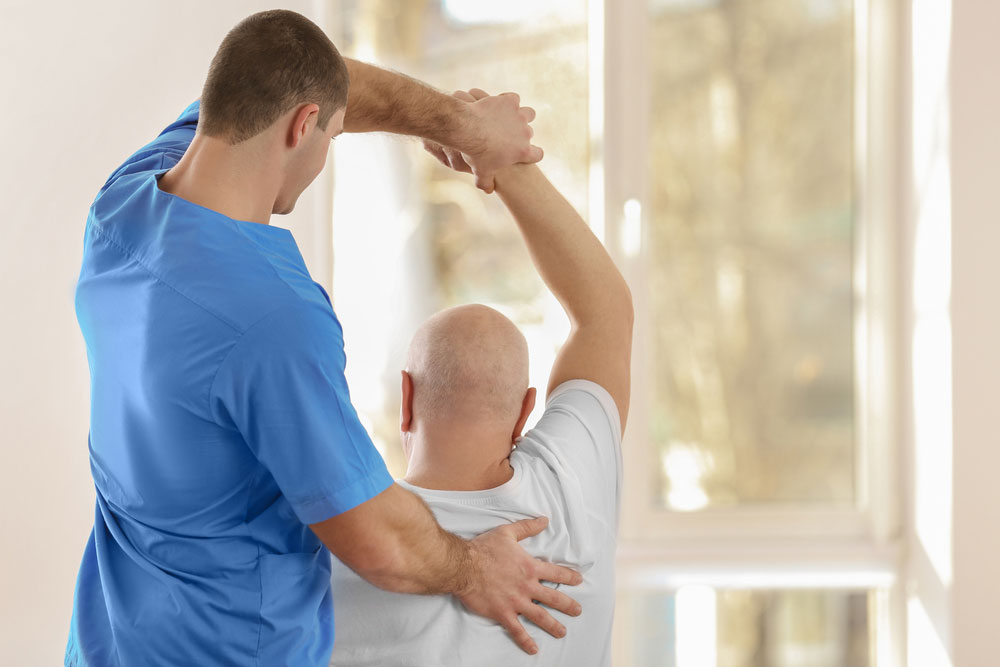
(514, 175)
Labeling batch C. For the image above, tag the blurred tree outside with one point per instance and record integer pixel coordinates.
(751, 240)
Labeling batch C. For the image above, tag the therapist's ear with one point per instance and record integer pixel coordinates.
(406, 404)
(527, 405)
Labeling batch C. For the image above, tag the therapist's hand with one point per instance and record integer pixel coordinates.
(505, 582)
(501, 135)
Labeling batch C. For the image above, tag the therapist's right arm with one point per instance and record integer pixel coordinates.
(393, 542)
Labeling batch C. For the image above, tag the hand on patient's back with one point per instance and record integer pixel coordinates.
(504, 137)
(506, 582)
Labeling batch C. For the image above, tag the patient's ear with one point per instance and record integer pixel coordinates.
(527, 405)
(406, 404)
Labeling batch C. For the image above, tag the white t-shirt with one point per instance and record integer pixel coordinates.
(567, 468)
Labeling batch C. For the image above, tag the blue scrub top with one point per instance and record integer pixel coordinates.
(221, 425)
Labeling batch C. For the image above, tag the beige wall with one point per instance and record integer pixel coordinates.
(83, 85)
(975, 126)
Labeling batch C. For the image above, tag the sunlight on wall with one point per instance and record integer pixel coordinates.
(924, 647)
(932, 373)
(696, 627)
(372, 224)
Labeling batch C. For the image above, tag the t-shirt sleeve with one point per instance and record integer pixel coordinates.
(282, 386)
(165, 150)
(581, 428)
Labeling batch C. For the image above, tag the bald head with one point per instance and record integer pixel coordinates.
(468, 362)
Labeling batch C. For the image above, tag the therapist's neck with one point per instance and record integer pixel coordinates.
(240, 182)
(456, 458)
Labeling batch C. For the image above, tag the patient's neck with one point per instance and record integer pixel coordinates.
(457, 459)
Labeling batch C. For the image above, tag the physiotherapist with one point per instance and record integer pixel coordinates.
(227, 458)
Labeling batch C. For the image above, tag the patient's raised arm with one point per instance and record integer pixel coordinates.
(575, 266)
(583, 277)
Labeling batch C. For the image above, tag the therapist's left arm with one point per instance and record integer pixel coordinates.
(492, 133)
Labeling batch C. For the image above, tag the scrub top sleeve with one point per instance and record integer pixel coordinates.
(165, 150)
(181, 131)
(282, 386)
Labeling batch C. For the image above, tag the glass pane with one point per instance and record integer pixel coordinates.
(445, 241)
(701, 626)
(751, 250)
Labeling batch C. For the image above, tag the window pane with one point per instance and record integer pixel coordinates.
(698, 625)
(750, 246)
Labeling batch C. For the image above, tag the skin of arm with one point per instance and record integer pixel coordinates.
(393, 542)
(491, 133)
(582, 276)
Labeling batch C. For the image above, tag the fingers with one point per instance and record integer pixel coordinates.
(534, 154)
(511, 97)
(456, 161)
(437, 151)
(485, 183)
(543, 619)
(528, 527)
(478, 93)
(528, 113)
(449, 157)
(558, 574)
(557, 600)
(520, 635)
(464, 96)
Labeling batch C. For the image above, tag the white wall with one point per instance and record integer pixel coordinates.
(83, 85)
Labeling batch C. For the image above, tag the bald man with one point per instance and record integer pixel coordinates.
(465, 400)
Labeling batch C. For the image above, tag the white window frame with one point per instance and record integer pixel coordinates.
(854, 547)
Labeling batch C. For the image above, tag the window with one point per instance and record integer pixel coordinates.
(749, 260)
(746, 628)
(731, 155)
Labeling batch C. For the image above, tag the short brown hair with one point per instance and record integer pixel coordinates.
(267, 65)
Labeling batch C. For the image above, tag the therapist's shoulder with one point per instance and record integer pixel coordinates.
(162, 152)
(292, 329)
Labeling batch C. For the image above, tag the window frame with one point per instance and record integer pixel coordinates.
(814, 545)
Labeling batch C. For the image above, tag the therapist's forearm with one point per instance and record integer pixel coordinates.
(415, 555)
(383, 101)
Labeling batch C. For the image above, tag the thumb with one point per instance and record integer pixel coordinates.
(534, 154)
(485, 182)
(529, 527)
